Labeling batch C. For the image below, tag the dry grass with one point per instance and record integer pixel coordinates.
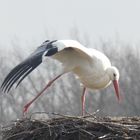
(64, 127)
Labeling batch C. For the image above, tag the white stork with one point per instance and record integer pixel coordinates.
(92, 67)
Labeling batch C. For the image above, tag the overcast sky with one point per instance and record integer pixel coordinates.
(28, 20)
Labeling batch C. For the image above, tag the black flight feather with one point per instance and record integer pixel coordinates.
(18, 73)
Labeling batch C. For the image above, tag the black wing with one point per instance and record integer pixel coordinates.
(26, 67)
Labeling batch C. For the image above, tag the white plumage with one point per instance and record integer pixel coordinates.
(92, 67)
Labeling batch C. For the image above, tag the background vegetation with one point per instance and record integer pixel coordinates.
(65, 95)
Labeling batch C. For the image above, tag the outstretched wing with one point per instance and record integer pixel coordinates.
(69, 52)
(27, 66)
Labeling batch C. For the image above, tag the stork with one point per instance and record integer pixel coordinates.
(92, 67)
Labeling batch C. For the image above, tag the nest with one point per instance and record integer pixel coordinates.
(73, 128)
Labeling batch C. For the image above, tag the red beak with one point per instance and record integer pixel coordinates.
(116, 86)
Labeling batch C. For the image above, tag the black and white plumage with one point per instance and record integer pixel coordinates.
(28, 65)
(91, 66)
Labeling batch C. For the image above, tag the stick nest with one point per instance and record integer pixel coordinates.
(64, 127)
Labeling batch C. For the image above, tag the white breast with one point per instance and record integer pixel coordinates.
(93, 74)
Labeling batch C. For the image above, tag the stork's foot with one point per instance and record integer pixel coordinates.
(83, 112)
(25, 110)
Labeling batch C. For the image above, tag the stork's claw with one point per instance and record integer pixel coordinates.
(25, 109)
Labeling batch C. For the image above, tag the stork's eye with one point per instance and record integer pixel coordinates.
(114, 74)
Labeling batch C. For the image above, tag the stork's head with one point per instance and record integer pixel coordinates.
(113, 74)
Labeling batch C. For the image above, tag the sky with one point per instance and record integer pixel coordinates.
(29, 21)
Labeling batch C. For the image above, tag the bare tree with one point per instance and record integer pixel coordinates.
(65, 95)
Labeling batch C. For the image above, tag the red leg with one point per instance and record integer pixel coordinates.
(48, 85)
(83, 101)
